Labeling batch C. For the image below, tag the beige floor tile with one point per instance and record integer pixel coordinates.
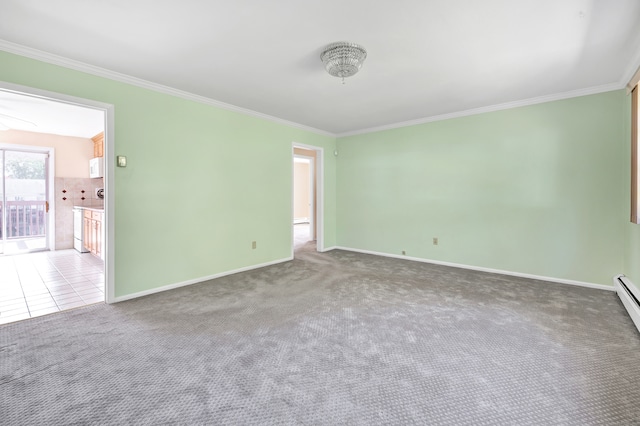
(5, 320)
(42, 283)
(17, 310)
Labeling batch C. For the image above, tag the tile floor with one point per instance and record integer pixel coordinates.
(41, 283)
(24, 245)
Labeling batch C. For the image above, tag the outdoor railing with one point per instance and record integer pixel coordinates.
(23, 219)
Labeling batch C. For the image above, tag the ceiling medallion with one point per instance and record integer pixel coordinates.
(343, 59)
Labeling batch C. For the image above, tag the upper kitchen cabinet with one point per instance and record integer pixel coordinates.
(98, 145)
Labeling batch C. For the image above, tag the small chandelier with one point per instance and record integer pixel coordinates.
(343, 59)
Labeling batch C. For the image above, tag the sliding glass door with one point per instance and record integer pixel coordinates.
(23, 201)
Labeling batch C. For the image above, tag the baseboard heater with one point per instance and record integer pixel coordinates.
(630, 296)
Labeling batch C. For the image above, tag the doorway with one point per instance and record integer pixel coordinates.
(57, 277)
(303, 200)
(307, 199)
(24, 195)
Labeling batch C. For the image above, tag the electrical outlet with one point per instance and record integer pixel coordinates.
(435, 241)
(253, 245)
(404, 252)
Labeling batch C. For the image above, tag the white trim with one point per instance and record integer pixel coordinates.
(482, 269)
(311, 219)
(319, 167)
(490, 108)
(51, 198)
(109, 132)
(633, 81)
(116, 76)
(26, 148)
(123, 78)
(313, 210)
(632, 68)
(197, 280)
(630, 305)
(330, 248)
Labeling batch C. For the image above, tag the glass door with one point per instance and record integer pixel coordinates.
(24, 207)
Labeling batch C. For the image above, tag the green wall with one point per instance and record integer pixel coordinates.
(536, 189)
(541, 189)
(201, 183)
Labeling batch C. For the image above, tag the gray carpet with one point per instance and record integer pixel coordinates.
(326, 339)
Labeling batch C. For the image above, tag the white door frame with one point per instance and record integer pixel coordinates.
(312, 204)
(318, 170)
(109, 180)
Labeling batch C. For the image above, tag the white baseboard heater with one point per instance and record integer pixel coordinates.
(630, 297)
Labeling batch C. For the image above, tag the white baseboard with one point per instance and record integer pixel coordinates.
(482, 269)
(197, 280)
(627, 296)
(328, 249)
(375, 253)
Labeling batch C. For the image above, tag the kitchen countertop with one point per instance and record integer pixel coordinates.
(95, 209)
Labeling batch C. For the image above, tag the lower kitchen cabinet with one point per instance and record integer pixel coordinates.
(93, 235)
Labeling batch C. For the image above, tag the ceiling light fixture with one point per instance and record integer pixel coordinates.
(343, 59)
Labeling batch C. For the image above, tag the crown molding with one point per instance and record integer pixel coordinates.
(50, 58)
(490, 108)
(123, 78)
(632, 67)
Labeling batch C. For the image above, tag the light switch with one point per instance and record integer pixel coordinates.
(122, 161)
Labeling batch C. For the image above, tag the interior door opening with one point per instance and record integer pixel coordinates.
(307, 198)
(303, 200)
(60, 274)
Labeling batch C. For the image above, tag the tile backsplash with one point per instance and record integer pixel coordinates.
(71, 192)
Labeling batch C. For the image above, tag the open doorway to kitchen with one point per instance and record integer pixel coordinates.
(307, 198)
(42, 268)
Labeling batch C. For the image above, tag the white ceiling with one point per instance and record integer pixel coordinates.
(425, 58)
(34, 114)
